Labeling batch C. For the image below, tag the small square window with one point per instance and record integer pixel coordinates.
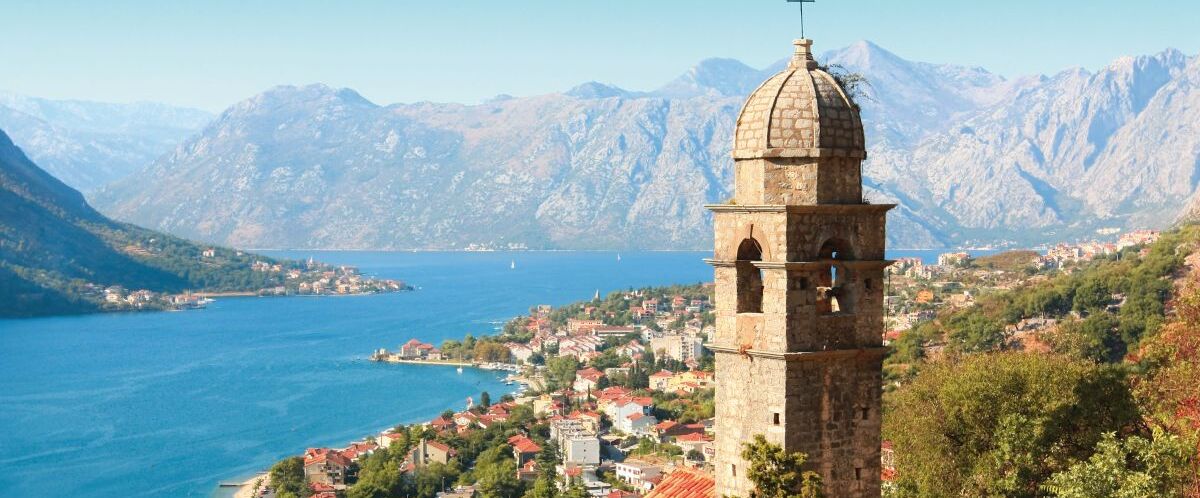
(868, 283)
(858, 473)
(866, 413)
(734, 469)
(802, 283)
(776, 418)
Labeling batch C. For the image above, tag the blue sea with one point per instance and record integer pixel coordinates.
(172, 403)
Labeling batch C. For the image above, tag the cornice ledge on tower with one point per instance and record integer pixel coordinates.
(799, 355)
(854, 264)
(786, 152)
(800, 208)
(824, 263)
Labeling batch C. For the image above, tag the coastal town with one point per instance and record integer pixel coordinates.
(609, 396)
(917, 292)
(613, 394)
(275, 278)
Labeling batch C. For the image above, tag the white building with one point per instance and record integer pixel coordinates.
(637, 473)
(637, 423)
(580, 449)
(680, 347)
(620, 409)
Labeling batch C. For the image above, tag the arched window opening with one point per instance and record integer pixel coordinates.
(749, 277)
(833, 293)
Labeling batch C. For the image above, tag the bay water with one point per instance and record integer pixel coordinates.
(171, 403)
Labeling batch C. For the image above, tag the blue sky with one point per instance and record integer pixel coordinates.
(211, 54)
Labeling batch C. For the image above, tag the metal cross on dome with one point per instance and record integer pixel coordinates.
(801, 2)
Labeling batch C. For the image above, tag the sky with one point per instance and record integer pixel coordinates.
(211, 54)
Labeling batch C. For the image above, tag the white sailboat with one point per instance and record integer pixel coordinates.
(618, 256)
(512, 265)
(459, 369)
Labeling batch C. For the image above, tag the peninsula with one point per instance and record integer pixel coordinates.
(60, 256)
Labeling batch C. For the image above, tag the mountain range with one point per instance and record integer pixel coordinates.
(971, 158)
(90, 144)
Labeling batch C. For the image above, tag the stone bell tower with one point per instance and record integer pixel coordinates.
(799, 263)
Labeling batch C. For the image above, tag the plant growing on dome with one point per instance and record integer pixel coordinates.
(854, 84)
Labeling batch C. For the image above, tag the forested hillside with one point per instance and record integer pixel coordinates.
(1102, 400)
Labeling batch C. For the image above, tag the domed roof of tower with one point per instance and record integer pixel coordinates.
(800, 112)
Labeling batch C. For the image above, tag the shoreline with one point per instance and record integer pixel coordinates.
(448, 363)
(246, 488)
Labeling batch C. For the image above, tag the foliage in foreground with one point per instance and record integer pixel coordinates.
(1002, 424)
(1132, 468)
(287, 477)
(777, 473)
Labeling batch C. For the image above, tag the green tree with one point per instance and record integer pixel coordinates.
(543, 487)
(973, 331)
(287, 477)
(560, 371)
(1001, 424)
(435, 477)
(777, 473)
(496, 474)
(1134, 468)
(1093, 338)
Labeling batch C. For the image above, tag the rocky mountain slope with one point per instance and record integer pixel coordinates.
(970, 157)
(89, 144)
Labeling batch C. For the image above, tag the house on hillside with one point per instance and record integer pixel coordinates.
(661, 380)
(637, 424)
(639, 474)
(325, 466)
(426, 452)
(587, 380)
(417, 350)
(524, 449)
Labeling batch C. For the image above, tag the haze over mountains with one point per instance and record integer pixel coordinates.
(972, 159)
(89, 144)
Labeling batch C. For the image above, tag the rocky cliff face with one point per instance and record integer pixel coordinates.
(89, 144)
(970, 157)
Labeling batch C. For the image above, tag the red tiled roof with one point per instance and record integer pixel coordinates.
(662, 373)
(321, 455)
(685, 483)
(590, 373)
(524, 444)
(581, 414)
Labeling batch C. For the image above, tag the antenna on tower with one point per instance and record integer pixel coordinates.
(802, 2)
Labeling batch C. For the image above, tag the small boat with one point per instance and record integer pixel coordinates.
(512, 265)
(459, 369)
(618, 256)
